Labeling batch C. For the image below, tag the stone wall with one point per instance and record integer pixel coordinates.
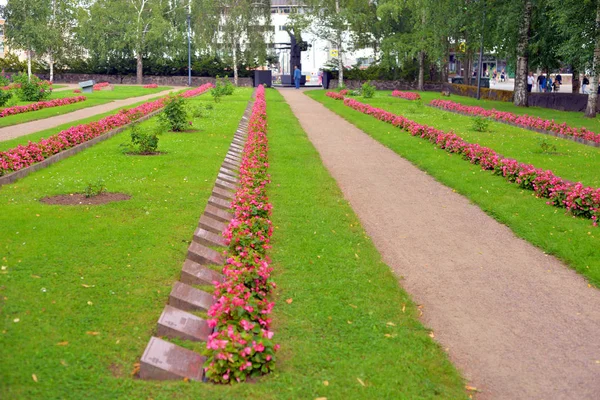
(388, 85)
(131, 79)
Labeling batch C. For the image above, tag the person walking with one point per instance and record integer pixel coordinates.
(585, 84)
(530, 81)
(541, 81)
(297, 76)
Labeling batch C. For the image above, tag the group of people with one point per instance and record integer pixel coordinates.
(544, 83)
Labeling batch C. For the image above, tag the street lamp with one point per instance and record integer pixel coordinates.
(189, 28)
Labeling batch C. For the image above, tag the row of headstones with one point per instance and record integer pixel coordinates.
(163, 360)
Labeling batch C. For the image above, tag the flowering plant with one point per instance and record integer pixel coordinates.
(577, 199)
(336, 96)
(99, 86)
(40, 105)
(23, 156)
(151, 86)
(241, 345)
(406, 95)
(524, 121)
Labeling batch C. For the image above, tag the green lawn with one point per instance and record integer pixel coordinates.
(570, 160)
(573, 240)
(93, 99)
(349, 330)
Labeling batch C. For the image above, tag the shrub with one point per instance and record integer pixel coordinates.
(32, 90)
(174, 114)
(228, 88)
(144, 142)
(547, 148)
(94, 188)
(5, 96)
(480, 124)
(368, 90)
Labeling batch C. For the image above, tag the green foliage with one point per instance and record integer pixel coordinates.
(5, 96)
(547, 147)
(480, 124)
(94, 188)
(368, 90)
(174, 113)
(143, 141)
(33, 89)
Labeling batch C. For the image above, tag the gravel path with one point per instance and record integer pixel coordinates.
(519, 324)
(14, 131)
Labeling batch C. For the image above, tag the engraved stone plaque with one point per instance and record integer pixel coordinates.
(218, 214)
(188, 298)
(212, 225)
(174, 323)
(166, 361)
(204, 255)
(193, 273)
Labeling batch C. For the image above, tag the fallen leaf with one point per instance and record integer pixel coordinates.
(349, 322)
(431, 335)
(360, 381)
(403, 307)
(321, 398)
(93, 333)
(186, 379)
(391, 324)
(355, 255)
(16, 320)
(36, 276)
(471, 388)
(136, 369)
(289, 301)
(34, 377)
(87, 286)
(326, 383)
(353, 306)
(387, 335)
(62, 343)
(64, 363)
(90, 303)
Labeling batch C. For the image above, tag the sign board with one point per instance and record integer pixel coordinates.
(333, 53)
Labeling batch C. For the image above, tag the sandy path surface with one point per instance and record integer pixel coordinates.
(11, 132)
(519, 324)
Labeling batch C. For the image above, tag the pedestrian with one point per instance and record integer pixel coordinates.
(585, 84)
(530, 81)
(503, 76)
(297, 76)
(549, 84)
(541, 81)
(558, 79)
(556, 84)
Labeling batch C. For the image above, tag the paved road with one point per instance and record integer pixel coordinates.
(519, 324)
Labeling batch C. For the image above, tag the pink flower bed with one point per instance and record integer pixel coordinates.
(76, 91)
(151, 86)
(334, 95)
(524, 121)
(344, 92)
(99, 86)
(406, 95)
(578, 199)
(40, 105)
(241, 345)
(24, 156)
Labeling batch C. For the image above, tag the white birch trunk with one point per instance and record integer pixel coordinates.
(235, 68)
(590, 110)
(51, 63)
(29, 64)
(521, 94)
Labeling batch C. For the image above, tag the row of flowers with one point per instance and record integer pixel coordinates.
(580, 200)
(525, 121)
(40, 105)
(335, 95)
(99, 86)
(24, 156)
(241, 345)
(151, 86)
(406, 95)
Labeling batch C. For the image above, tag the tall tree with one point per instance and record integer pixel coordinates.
(235, 29)
(520, 96)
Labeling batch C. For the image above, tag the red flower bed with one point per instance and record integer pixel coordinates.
(579, 200)
(151, 86)
(242, 344)
(406, 95)
(23, 156)
(525, 121)
(344, 92)
(40, 105)
(99, 86)
(336, 96)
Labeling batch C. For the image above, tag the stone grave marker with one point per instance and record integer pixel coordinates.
(166, 361)
(204, 255)
(211, 225)
(193, 273)
(174, 323)
(188, 298)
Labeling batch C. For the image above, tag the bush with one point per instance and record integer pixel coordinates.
(5, 96)
(368, 90)
(174, 114)
(228, 88)
(144, 142)
(94, 189)
(480, 124)
(32, 90)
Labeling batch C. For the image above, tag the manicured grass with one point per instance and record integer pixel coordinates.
(107, 269)
(573, 240)
(575, 119)
(348, 318)
(570, 160)
(93, 99)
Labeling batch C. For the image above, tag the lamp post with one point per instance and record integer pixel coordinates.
(480, 68)
(189, 29)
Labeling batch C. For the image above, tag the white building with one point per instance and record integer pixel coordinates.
(320, 53)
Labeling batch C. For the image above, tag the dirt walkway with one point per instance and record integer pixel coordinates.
(518, 323)
(11, 132)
